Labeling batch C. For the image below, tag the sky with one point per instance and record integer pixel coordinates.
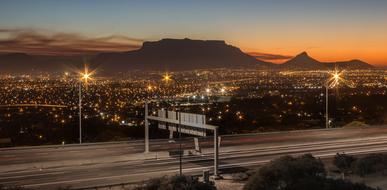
(329, 30)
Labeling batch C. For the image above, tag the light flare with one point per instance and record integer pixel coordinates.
(167, 77)
(86, 75)
(335, 78)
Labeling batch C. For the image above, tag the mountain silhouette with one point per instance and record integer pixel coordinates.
(304, 62)
(352, 64)
(166, 54)
(25, 63)
(179, 54)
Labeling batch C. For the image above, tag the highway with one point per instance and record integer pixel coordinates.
(124, 162)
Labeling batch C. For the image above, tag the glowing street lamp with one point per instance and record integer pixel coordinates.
(84, 77)
(332, 82)
(167, 77)
(208, 91)
(222, 90)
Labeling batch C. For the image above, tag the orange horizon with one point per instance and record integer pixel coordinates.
(34, 42)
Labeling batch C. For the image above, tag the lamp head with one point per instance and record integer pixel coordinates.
(167, 77)
(86, 75)
(335, 78)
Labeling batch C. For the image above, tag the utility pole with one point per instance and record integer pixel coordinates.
(326, 107)
(146, 128)
(180, 148)
(216, 153)
(80, 112)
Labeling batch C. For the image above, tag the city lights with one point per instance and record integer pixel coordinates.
(184, 95)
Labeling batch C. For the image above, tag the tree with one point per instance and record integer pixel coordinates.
(327, 184)
(285, 172)
(297, 173)
(369, 164)
(343, 162)
(175, 183)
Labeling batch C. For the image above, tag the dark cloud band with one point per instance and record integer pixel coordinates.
(269, 57)
(33, 42)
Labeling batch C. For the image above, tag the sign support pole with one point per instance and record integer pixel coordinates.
(180, 148)
(146, 128)
(216, 153)
(178, 122)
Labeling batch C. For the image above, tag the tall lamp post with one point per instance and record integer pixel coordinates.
(326, 106)
(333, 81)
(168, 78)
(84, 77)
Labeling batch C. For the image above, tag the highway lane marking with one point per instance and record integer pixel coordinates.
(77, 150)
(110, 177)
(186, 169)
(297, 146)
(327, 155)
(225, 154)
(221, 166)
(7, 156)
(31, 175)
(42, 153)
(157, 141)
(197, 159)
(248, 154)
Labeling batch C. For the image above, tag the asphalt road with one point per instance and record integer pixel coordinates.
(236, 151)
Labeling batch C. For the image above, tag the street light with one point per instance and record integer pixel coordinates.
(333, 81)
(222, 90)
(84, 76)
(167, 78)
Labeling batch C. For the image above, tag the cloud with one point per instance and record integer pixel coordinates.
(269, 57)
(34, 42)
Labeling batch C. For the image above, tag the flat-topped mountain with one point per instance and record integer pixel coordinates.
(166, 54)
(178, 54)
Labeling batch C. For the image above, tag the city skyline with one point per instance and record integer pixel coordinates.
(329, 30)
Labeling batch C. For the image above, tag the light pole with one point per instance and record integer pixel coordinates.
(168, 78)
(83, 76)
(333, 81)
(80, 111)
(326, 107)
(180, 148)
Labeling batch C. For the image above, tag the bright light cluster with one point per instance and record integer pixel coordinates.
(336, 77)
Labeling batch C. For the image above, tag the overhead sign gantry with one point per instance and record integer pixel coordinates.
(188, 123)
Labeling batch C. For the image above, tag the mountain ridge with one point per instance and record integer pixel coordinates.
(184, 54)
(168, 54)
(303, 61)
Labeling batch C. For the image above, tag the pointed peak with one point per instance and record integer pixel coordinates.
(356, 60)
(304, 53)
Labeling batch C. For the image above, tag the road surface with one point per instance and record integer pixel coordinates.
(236, 151)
